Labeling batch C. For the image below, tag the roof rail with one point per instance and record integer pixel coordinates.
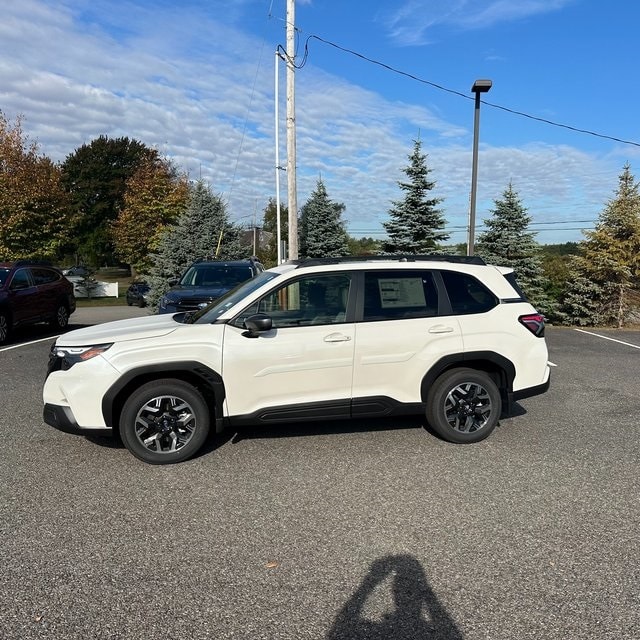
(23, 262)
(435, 257)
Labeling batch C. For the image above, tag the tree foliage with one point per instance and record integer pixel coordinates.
(322, 232)
(609, 262)
(95, 175)
(508, 242)
(154, 198)
(416, 223)
(268, 255)
(34, 208)
(203, 230)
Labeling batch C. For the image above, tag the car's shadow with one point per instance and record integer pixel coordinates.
(236, 435)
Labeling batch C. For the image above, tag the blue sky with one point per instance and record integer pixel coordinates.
(195, 80)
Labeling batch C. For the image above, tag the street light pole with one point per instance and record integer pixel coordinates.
(479, 86)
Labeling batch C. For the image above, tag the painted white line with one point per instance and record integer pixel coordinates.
(26, 344)
(589, 333)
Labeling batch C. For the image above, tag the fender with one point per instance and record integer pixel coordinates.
(189, 370)
(489, 360)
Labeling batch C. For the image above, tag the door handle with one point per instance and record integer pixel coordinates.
(441, 328)
(337, 337)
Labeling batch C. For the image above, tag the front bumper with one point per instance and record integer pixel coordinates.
(62, 418)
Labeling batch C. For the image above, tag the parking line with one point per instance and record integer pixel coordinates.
(589, 333)
(26, 344)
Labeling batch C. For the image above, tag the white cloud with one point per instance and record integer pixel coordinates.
(202, 92)
(411, 23)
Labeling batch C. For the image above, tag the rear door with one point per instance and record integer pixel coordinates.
(400, 335)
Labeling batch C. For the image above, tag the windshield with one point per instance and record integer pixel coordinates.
(208, 275)
(216, 309)
(4, 274)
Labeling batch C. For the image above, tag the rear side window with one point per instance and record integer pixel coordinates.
(466, 294)
(44, 276)
(399, 294)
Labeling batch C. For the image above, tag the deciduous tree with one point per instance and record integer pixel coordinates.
(95, 175)
(34, 208)
(155, 196)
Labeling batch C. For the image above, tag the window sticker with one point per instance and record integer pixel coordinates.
(401, 292)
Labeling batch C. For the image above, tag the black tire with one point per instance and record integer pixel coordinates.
(464, 406)
(164, 421)
(5, 327)
(60, 320)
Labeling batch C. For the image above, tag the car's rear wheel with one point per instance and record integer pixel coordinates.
(464, 406)
(61, 318)
(164, 421)
(5, 327)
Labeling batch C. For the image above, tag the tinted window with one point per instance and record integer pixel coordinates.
(20, 279)
(399, 294)
(4, 274)
(44, 276)
(466, 294)
(312, 300)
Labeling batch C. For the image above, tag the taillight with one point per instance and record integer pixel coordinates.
(534, 322)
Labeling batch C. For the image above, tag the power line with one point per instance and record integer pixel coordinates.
(458, 93)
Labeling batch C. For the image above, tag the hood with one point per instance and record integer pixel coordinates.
(189, 293)
(120, 330)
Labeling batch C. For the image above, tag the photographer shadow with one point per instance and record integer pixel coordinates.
(418, 614)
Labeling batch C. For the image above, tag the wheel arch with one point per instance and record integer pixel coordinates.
(501, 370)
(205, 380)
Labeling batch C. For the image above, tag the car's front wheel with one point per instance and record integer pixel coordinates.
(464, 406)
(165, 421)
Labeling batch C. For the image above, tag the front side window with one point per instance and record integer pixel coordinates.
(311, 300)
(399, 294)
(20, 280)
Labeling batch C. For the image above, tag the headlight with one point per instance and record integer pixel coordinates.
(68, 356)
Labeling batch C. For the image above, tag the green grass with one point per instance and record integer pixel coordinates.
(109, 275)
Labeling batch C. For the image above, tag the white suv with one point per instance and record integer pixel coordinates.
(318, 339)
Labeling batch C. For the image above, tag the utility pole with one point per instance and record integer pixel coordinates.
(291, 133)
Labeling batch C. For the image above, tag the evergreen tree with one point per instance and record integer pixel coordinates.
(507, 242)
(609, 261)
(321, 229)
(416, 224)
(202, 231)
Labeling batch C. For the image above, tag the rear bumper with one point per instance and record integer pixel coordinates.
(62, 418)
(532, 391)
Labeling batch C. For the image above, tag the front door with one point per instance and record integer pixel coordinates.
(302, 367)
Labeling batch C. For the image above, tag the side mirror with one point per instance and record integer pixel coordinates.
(173, 282)
(257, 324)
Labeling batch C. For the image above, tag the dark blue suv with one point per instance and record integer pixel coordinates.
(205, 281)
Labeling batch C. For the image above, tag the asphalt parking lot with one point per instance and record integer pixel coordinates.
(336, 531)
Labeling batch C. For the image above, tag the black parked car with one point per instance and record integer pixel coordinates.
(137, 294)
(32, 292)
(206, 281)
